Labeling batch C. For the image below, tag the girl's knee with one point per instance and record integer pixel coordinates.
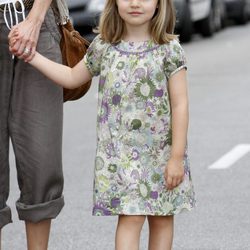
(132, 219)
(161, 221)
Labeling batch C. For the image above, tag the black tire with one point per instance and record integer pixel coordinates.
(207, 25)
(186, 29)
(243, 17)
(224, 15)
(224, 20)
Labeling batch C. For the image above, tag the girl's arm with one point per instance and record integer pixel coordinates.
(179, 106)
(67, 77)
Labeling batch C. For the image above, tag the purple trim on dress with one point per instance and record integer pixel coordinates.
(135, 53)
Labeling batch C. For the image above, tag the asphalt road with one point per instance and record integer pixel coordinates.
(219, 87)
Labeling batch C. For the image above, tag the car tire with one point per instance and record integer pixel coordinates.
(207, 25)
(243, 17)
(224, 20)
(186, 30)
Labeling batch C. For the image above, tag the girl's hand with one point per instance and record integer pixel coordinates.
(13, 38)
(174, 173)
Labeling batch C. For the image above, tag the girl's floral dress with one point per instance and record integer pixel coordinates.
(134, 129)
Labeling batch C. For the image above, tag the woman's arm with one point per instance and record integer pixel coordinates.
(179, 107)
(67, 77)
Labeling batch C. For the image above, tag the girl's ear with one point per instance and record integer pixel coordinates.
(156, 10)
(157, 6)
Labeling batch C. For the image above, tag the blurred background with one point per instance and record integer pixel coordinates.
(205, 17)
(216, 38)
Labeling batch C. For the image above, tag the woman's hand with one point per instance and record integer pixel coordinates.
(174, 173)
(23, 39)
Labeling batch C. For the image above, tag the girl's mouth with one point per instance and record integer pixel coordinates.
(135, 13)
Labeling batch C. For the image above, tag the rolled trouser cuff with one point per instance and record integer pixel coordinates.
(39, 212)
(5, 216)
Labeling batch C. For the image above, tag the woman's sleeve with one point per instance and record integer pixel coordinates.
(175, 59)
(93, 57)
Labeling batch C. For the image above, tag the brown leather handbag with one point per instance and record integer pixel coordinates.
(73, 48)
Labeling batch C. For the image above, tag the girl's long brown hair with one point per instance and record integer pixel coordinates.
(112, 27)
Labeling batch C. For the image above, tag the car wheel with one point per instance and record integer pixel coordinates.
(243, 17)
(186, 29)
(224, 19)
(207, 25)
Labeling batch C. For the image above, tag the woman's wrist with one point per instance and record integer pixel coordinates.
(39, 10)
(36, 19)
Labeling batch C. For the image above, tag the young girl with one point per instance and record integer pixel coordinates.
(141, 165)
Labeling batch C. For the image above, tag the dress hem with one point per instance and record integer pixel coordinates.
(184, 209)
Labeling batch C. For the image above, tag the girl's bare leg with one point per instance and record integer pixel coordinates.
(161, 230)
(128, 232)
(0, 239)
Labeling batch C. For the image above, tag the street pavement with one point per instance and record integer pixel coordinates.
(219, 89)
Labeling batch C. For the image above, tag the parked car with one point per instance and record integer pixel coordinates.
(205, 15)
(239, 10)
(85, 15)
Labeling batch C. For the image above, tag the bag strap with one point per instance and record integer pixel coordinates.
(61, 11)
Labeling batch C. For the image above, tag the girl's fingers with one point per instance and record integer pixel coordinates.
(169, 182)
(14, 32)
(13, 40)
(11, 32)
(22, 49)
(179, 182)
(15, 47)
(31, 55)
(174, 182)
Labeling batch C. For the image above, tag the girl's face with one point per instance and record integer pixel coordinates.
(136, 12)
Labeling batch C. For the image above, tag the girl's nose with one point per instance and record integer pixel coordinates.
(135, 3)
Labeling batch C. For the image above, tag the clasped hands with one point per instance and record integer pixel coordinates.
(23, 39)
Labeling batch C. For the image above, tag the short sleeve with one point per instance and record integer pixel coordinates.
(175, 59)
(94, 54)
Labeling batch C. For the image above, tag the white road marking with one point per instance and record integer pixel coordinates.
(231, 157)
